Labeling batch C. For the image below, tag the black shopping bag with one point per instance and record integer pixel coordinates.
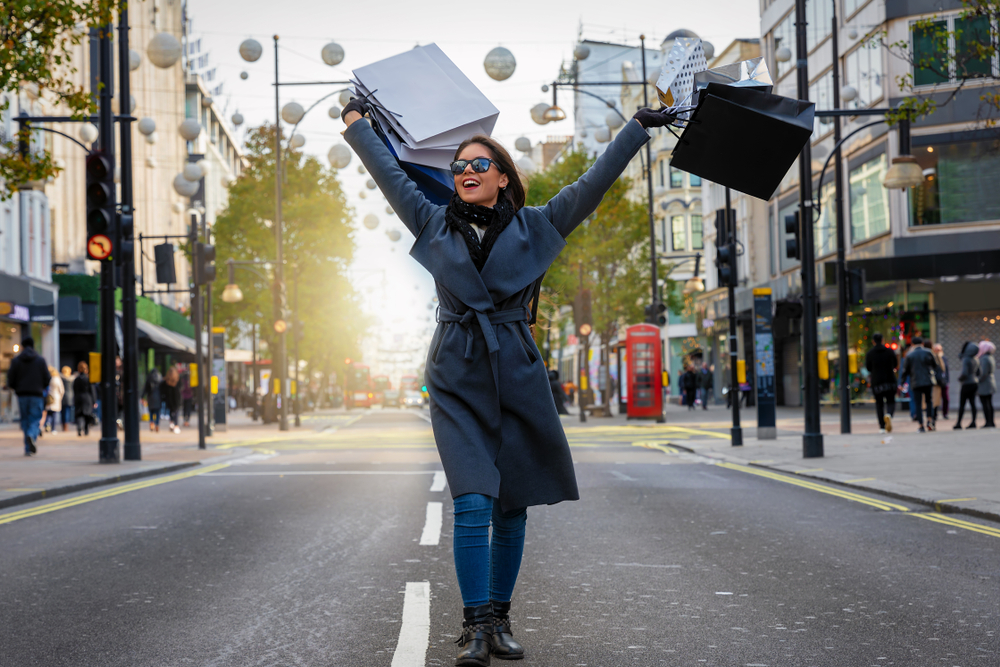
(744, 139)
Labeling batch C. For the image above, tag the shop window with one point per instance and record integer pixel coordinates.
(869, 200)
(676, 178)
(863, 70)
(677, 232)
(960, 183)
(697, 233)
(784, 35)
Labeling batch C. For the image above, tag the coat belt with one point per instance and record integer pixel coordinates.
(486, 322)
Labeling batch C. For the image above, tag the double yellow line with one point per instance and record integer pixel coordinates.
(858, 498)
(107, 493)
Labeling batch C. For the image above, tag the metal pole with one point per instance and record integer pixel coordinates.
(583, 363)
(253, 367)
(649, 189)
(198, 348)
(281, 369)
(736, 432)
(130, 336)
(108, 452)
(812, 438)
(210, 353)
(295, 345)
(845, 384)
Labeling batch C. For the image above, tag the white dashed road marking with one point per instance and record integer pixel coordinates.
(414, 633)
(432, 526)
(439, 481)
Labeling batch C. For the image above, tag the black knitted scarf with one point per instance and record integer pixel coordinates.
(461, 215)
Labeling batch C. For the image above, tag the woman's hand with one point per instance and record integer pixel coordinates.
(649, 118)
(353, 112)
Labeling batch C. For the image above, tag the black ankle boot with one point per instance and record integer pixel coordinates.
(504, 646)
(477, 637)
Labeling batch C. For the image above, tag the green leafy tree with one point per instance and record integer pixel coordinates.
(36, 43)
(318, 246)
(608, 254)
(964, 55)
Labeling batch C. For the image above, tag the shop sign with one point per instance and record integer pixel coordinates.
(13, 311)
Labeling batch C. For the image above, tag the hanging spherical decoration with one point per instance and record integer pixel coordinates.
(852, 33)
(89, 133)
(584, 134)
(554, 113)
(131, 104)
(134, 60)
(538, 113)
(178, 207)
(244, 76)
(602, 135)
(709, 50)
(151, 162)
(581, 52)
(193, 171)
(334, 111)
(251, 50)
(783, 54)
(499, 64)
(228, 180)
(163, 50)
(526, 165)
(545, 87)
(292, 113)
(151, 138)
(190, 129)
(613, 120)
(339, 156)
(361, 169)
(237, 119)
(370, 184)
(184, 187)
(522, 144)
(848, 93)
(388, 210)
(146, 126)
(332, 54)
(394, 235)
(371, 221)
(362, 194)
(297, 141)
(206, 101)
(345, 97)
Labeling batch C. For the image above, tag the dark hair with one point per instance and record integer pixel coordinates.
(928, 344)
(28, 341)
(917, 340)
(82, 367)
(877, 337)
(515, 188)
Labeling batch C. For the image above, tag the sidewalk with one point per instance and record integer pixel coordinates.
(951, 471)
(66, 463)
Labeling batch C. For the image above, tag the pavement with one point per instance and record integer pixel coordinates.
(947, 470)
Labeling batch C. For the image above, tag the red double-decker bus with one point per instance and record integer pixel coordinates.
(358, 387)
(380, 383)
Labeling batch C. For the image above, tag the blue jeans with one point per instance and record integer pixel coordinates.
(31, 408)
(67, 415)
(487, 569)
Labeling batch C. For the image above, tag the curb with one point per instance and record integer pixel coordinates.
(935, 500)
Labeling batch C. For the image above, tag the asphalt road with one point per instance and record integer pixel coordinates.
(302, 555)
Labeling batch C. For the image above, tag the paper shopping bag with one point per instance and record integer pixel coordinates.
(744, 139)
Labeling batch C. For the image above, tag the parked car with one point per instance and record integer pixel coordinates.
(390, 398)
(413, 399)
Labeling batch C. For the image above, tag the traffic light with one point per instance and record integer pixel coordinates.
(656, 313)
(725, 259)
(126, 230)
(204, 263)
(793, 248)
(582, 313)
(100, 204)
(164, 256)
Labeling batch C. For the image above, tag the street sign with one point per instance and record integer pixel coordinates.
(99, 247)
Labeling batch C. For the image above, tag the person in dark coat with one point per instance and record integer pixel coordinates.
(484, 373)
(558, 395)
(987, 380)
(170, 389)
(29, 378)
(83, 400)
(919, 369)
(151, 392)
(968, 379)
(882, 363)
(67, 399)
(689, 386)
(704, 384)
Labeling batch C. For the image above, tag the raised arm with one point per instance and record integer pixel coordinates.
(576, 201)
(406, 200)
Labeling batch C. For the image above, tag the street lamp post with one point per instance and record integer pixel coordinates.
(845, 387)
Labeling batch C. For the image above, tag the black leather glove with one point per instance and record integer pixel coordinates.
(356, 104)
(650, 118)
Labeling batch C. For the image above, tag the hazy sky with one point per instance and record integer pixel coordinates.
(540, 33)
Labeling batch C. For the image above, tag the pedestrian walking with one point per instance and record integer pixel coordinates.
(151, 392)
(187, 397)
(484, 373)
(29, 377)
(987, 380)
(704, 384)
(558, 395)
(689, 386)
(944, 378)
(67, 402)
(882, 363)
(84, 402)
(53, 400)
(969, 380)
(170, 390)
(919, 370)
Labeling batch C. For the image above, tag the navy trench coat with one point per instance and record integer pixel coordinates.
(494, 419)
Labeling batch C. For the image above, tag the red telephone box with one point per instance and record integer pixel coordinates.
(645, 385)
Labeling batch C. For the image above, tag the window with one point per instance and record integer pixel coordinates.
(971, 33)
(695, 181)
(863, 70)
(821, 92)
(819, 18)
(825, 232)
(661, 173)
(677, 232)
(949, 50)
(929, 48)
(676, 178)
(784, 35)
(959, 183)
(869, 200)
(697, 233)
(851, 6)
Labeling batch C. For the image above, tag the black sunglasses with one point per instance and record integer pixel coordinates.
(480, 165)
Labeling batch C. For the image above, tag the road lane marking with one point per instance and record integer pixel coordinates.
(107, 493)
(662, 447)
(432, 525)
(426, 418)
(860, 479)
(439, 482)
(954, 500)
(291, 473)
(415, 631)
(622, 476)
(958, 523)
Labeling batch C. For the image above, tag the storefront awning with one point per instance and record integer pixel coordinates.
(165, 340)
(913, 267)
